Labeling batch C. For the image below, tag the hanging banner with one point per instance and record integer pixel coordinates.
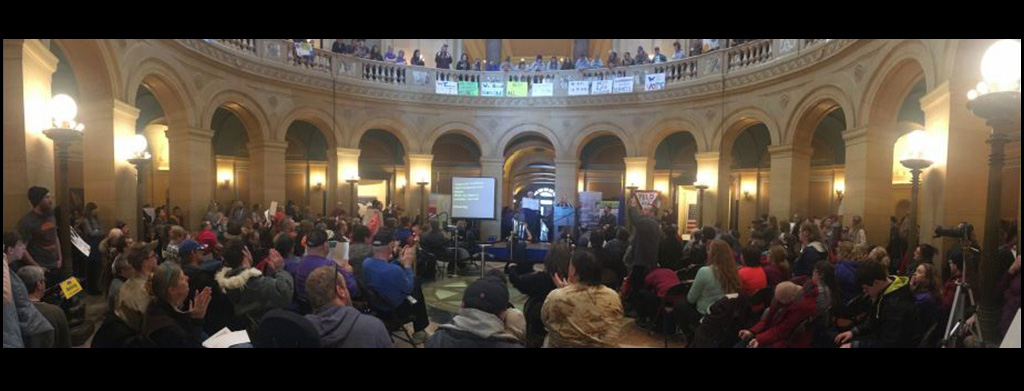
(600, 87)
(469, 88)
(543, 89)
(654, 82)
(623, 85)
(590, 208)
(578, 88)
(447, 87)
(518, 89)
(304, 49)
(492, 88)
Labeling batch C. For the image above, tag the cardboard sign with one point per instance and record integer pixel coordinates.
(623, 85)
(469, 88)
(648, 199)
(531, 203)
(518, 89)
(71, 287)
(446, 87)
(600, 87)
(491, 88)
(543, 89)
(654, 82)
(579, 88)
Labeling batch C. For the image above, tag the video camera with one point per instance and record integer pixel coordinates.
(963, 230)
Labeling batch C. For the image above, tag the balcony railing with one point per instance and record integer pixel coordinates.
(742, 58)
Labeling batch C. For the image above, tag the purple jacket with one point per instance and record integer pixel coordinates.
(309, 264)
(1011, 292)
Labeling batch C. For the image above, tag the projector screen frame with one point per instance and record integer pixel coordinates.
(494, 207)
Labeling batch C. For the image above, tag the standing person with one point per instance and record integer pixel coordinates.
(463, 64)
(582, 312)
(627, 60)
(641, 56)
(858, 235)
(92, 233)
(658, 57)
(679, 53)
(553, 64)
(613, 60)
(339, 47)
(400, 60)
(417, 58)
(375, 54)
(538, 64)
(443, 59)
(389, 55)
(478, 65)
(38, 230)
(582, 63)
(531, 211)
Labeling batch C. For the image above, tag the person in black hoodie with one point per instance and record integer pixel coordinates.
(894, 321)
(536, 286)
(814, 250)
(166, 325)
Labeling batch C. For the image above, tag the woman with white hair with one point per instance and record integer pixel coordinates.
(781, 327)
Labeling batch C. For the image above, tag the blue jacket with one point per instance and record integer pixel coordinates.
(846, 276)
(389, 280)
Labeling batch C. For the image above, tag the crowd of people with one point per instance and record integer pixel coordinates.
(283, 278)
(443, 58)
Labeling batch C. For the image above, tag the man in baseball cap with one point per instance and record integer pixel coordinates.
(482, 321)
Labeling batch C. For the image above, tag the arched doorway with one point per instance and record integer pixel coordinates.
(529, 166)
(675, 171)
(828, 161)
(381, 160)
(306, 169)
(750, 167)
(231, 158)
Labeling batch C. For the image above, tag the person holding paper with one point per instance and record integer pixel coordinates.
(531, 211)
(169, 323)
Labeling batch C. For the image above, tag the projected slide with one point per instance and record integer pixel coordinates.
(473, 198)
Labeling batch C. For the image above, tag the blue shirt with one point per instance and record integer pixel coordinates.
(390, 280)
(309, 264)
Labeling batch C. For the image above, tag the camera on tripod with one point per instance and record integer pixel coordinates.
(963, 230)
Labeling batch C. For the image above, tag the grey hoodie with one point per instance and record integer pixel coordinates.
(346, 327)
(473, 328)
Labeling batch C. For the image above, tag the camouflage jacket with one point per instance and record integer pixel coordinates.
(582, 316)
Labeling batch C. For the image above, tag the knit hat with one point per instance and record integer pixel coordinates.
(487, 294)
(36, 195)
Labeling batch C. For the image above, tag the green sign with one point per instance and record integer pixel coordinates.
(518, 89)
(469, 88)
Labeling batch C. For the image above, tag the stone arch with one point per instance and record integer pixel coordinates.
(810, 111)
(740, 120)
(514, 132)
(461, 128)
(95, 68)
(166, 86)
(400, 129)
(245, 108)
(592, 131)
(661, 130)
(902, 67)
(318, 118)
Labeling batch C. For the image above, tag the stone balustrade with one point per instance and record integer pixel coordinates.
(692, 70)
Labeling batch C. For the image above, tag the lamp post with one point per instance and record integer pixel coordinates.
(352, 182)
(64, 132)
(423, 199)
(997, 100)
(701, 187)
(140, 159)
(916, 161)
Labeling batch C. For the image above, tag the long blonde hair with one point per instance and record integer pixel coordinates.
(722, 262)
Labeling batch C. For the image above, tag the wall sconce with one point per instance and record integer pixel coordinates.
(748, 192)
(226, 184)
(840, 189)
(318, 187)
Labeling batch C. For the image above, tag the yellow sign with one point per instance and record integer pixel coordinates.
(518, 89)
(71, 287)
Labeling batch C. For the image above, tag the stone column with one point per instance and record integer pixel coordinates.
(640, 172)
(109, 179)
(28, 154)
(420, 170)
(494, 52)
(791, 177)
(267, 183)
(868, 180)
(348, 168)
(580, 47)
(709, 165)
(567, 180)
(192, 174)
(492, 168)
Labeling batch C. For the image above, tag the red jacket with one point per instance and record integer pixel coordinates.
(776, 330)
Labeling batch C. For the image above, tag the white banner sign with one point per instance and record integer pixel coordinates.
(623, 85)
(601, 87)
(447, 87)
(543, 89)
(491, 88)
(654, 82)
(577, 88)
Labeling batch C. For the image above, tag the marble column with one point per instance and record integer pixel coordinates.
(192, 174)
(348, 168)
(494, 51)
(709, 166)
(28, 154)
(791, 177)
(492, 168)
(110, 181)
(869, 166)
(640, 172)
(267, 173)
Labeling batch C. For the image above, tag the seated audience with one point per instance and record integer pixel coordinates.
(24, 326)
(713, 282)
(894, 320)
(393, 283)
(582, 312)
(484, 319)
(316, 257)
(777, 268)
(359, 249)
(924, 253)
(780, 327)
(752, 276)
(646, 295)
(34, 278)
(1010, 286)
(925, 286)
(814, 250)
(536, 286)
(171, 321)
(252, 292)
(846, 272)
(134, 297)
(339, 324)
